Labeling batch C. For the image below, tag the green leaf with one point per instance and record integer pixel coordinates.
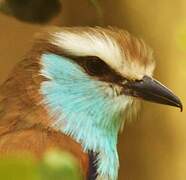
(59, 165)
(56, 165)
(16, 168)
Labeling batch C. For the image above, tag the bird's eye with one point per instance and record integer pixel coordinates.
(96, 67)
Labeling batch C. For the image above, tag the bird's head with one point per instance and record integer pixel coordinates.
(96, 77)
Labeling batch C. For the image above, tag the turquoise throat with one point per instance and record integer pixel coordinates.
(82, 109)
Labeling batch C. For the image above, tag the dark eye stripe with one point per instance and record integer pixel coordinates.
(96, 67)
(93, 65)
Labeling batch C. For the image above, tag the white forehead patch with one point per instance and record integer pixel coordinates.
(94, 42)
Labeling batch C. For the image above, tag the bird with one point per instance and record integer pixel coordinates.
(74, 90)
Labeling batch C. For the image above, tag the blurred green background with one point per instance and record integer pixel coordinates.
(54, 165)
(154, 146)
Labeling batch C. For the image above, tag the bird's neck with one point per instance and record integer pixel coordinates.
(82, 111)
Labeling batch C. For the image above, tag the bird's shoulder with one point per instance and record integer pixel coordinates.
(37, 140)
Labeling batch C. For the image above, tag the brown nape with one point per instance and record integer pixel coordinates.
(24, 122)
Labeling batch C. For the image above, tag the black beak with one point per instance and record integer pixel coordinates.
(151, 90)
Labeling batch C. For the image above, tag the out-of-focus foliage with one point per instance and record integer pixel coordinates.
(181, 37)
(35, 11)
(55, 165)
(41, 11)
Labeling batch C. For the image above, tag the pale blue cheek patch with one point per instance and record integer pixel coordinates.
(81, 109)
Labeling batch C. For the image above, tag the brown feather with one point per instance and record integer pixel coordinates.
(24, 123)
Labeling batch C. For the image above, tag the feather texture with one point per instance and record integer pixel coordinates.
(25, 126)
(49, 101)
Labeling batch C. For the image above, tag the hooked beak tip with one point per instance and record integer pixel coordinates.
(180, 106)
(151, 90)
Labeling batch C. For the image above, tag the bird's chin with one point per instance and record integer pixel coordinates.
(130, 108)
